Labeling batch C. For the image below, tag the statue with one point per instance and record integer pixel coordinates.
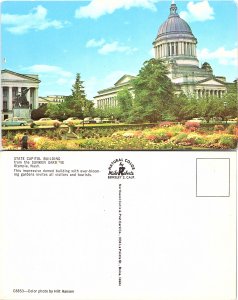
(21, 101)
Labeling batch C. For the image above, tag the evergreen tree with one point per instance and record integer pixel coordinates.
(124, 99)
(153, 92)
(75, 105)
(77, 101)
(78, 92)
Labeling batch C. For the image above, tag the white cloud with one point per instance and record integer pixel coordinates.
(115, 47)
(34, 20)
(54, 79)
(94, 43)
(223, 56)
(106, 48)
(48, 69)
(199, 11)
(98, 8)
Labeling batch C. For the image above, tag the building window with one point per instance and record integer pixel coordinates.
(4, 106)
(5, 92)
(14, 92)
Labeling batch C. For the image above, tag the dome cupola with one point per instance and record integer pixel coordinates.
(175, 40)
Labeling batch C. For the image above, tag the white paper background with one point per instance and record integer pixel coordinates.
(62, 232)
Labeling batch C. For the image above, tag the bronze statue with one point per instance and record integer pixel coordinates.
(21, 101)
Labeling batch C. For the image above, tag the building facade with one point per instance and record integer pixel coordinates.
(108, 97)
(176, 45)
(12, 85)
(51, 99)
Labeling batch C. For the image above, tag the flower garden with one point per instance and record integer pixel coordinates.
(164, 136)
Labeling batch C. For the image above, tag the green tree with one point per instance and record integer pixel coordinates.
(208, 107)
(75, 105)
(57, 111)
(108, 112)
(183, 107)
(125, 102)
(229, 104)
(153, 92)
(40, 112)
(77, 102)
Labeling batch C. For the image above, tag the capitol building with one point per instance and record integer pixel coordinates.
(176, 45)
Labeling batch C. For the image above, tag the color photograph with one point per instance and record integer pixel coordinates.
(119, 75)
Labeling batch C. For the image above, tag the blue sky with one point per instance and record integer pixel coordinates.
(105, 39)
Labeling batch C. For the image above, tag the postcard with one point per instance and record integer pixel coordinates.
(119, 150)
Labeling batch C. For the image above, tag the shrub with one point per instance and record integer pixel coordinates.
(33, 125)
(219, 128)
(229, 141)
(152, 138)
(17, 138)
(196, 139)
(175, 129)
(192, 126)
(212, 139)
(156, 136)
(32, 145)
(166, 124)
(181, 137)
(56, 124)
(231, 129)
(128, 134)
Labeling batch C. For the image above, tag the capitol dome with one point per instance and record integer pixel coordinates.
(175, 40)
(174, 25)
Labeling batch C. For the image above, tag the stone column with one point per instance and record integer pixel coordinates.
(10, 98)
(36, 100)
(28, 97)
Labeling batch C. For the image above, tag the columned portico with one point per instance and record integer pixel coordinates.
(209, 92)
(13, 85)
(9, 96)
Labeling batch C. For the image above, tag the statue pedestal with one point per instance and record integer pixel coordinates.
(22, 112)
